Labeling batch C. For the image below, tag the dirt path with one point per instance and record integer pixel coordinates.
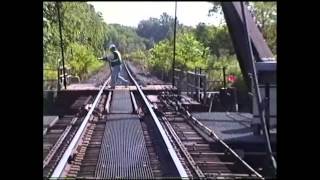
(99, 77)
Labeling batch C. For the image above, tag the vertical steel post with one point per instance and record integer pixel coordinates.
(224, 77)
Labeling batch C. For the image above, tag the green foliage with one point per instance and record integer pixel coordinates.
(216, 38)
(83, 32)
(156, 29)
(141, 58)
(85, 35)
(190, 53)
(83, 25)
(266, 17)
(271, 36)
(50, 35)
(204, 46)
(161, 56)
(265, 14)
(50, 74)
(138, 55)
(151, 43)
(82, 60)
(125, 38)
(232, 68)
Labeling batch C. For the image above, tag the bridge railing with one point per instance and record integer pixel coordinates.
(216, 78)
(199, 83)
(193, 83)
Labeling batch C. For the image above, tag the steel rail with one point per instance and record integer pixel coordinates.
(175, 159)
(63, 161)
(213, 135)
(58, 143)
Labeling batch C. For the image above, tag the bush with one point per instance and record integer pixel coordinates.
(232, 68)
(82, 60)
(50, 74)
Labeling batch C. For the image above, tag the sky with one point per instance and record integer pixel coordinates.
(131, 13)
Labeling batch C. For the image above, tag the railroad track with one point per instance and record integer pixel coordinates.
(59, 135)
(206, 154)
(157, 143)
(84, 160)
(89, 155)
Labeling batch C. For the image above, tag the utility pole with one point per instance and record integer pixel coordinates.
(174, 42)
(61, 45)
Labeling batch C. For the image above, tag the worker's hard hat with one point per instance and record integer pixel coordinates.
(112, 47)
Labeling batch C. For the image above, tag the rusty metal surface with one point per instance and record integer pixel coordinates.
(123, 153)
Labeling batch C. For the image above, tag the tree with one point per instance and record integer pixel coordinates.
(190, 53)
(82, 28)
(157, 29)
(82, 60)
(221, 43)
(203, 34)
(149, 29)
(265, 14)
(216, 38)
(51, 48)
(125, 38)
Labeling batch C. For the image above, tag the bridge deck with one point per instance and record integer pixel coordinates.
(123, 153)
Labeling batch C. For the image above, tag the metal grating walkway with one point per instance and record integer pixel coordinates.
(123, 152)
(121, 102)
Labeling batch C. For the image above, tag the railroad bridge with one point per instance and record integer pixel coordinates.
(152, 130)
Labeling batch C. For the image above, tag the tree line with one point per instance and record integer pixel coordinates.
(85, 34)
(205, 46)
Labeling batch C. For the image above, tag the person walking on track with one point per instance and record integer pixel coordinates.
(115, 63)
